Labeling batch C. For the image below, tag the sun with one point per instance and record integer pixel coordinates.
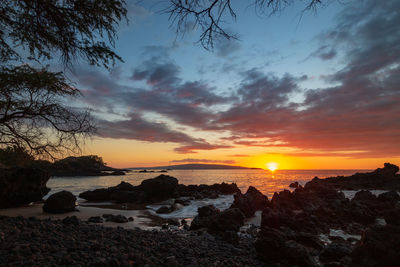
(272, 166)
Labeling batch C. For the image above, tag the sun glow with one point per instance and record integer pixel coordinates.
(272, 166)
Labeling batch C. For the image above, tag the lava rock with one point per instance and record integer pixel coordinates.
(95, 219)
(60, 202)
(250, 202)
(115, 218)
(21, 186)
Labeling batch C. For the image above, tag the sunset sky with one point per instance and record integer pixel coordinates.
(306, 90)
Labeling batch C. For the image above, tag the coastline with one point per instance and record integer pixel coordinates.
(337, 221)
(141, 218)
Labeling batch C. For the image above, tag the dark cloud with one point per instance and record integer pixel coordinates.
(199, 146)
(356, 115)
(360, 115)
(324, 52)
(227, 47)
(189, 160)
(137, 128)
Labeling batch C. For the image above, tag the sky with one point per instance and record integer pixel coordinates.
(307, 90)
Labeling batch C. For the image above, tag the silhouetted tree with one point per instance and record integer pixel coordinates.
(33, 113)
(15, 156)
(209, 15)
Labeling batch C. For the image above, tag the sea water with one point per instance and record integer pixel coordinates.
(266, 181)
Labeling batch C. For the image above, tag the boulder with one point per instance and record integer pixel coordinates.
(164, 210)
(217, 222)
(284, 200)
(294, 185)
(60, 202)
(115, 218)
(21, 186)
(334, 252)
(391, 196)
(364, 196)
(276, 248)
(128, 197)
(227, 220)
(95, 219)
(250, 202)
(71, 220)
(207, 211)
(102, 194)
(160, 188)
(379, 246)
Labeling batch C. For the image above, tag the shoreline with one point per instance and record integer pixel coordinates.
(141, 218)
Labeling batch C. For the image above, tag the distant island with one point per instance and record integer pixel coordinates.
(192, 167)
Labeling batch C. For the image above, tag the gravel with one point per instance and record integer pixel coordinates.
(33, 242)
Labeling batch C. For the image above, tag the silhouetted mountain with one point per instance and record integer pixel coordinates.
(193, 167)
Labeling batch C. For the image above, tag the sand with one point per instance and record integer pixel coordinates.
(141, 217)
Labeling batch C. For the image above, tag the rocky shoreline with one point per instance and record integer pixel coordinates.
(32, 242)
(314, 225)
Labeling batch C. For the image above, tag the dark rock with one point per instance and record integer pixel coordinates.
(207, 211)
(71, 220)
(275, 247)
(60, 202)
(284, 200)
(379, 246)
(334, 252)
(392, 216)
(130, 219)
(95, 219)
(364, 196)
(101, 194)
(174, 222)
(123, 186)
(294, 185)
(21, 186)
(128, 196)
(215, 221)
(250, 202)
(382, 178)
(160, 188)
(115, 218)
(164, 210)
(391, 196)
(185, 201)
(227, 220)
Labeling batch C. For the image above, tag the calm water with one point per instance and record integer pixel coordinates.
(265, 181)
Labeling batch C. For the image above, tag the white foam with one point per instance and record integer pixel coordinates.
(223, 202)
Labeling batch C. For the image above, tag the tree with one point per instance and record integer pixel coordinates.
(209, 15)
(15, 156)
(33, 113)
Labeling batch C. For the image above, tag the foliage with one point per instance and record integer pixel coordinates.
(15, 156)
(33, 111)
(32, 115)
(65, 28)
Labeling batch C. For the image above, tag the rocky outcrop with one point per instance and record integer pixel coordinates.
(60, 202)
(157, 189)
(319, 207)
(385, 178)
(21, 186)
(217, 222)
(250, 202)
(380, 246)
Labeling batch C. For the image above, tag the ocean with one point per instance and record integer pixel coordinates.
(266, 181)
